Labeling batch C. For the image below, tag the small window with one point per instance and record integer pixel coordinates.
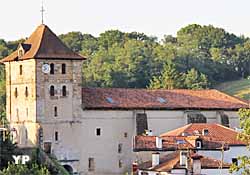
(235, 161)
(16, 93)
(52, 91)
(98, 131)
(63, 68)
(120, 163)
(120, 148)
(26, 92)
(21, 70)
(125, 134)
(64, 91)
(52, 68)
(91, 165)
(198, 144)
(56, 136)
(55, 112)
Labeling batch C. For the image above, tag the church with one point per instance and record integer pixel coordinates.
(91, 130)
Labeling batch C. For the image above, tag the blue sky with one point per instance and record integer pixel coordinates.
(153, 17)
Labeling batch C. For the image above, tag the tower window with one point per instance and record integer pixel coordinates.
(21, 69)
(91, 164)
(98, 131)
(120, 148)
(52, 91)
(26, 92)
(52, 68)
(56, 136)
(55, 111)
(16, 93)
(63, 68)
(64, 92)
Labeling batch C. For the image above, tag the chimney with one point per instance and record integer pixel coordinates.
(158, 142)
(184, 158)
(155, 159)
(196, 164)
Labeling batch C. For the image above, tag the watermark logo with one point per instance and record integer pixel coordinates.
(21, 158)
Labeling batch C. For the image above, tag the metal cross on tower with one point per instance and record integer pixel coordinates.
(42, 12)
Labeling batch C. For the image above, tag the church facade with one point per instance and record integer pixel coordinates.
(91, 130)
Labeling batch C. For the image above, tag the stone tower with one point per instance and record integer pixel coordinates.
(44, 94)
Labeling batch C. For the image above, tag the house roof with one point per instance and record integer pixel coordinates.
(216, 132)
(118, 98)
(172, 161)
(43, 44)
(173, 143)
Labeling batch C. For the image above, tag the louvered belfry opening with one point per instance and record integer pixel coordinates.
(141, 123)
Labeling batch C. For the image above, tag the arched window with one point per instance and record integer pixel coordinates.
(52, 91)
(63, 68)
(52, 68)
(21, 69)
(16, 93)
(26, 92)
(55, 111)
(64, 91)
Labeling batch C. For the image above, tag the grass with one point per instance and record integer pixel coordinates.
(238, 88)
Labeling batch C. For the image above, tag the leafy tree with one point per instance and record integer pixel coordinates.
(73, 40)
(170, 78)
(20, 169)
(244, 161)
(195, 80)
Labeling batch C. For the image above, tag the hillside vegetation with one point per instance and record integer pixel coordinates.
(238, 88)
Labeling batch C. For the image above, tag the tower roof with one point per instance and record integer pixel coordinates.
(43, 44)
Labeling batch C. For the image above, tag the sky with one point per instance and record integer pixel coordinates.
(18, 19)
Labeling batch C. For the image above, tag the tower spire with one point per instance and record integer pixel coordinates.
(42, 12)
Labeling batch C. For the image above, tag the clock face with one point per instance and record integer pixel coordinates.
(46, 68)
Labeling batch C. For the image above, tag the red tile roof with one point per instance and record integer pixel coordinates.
(97, 98)
(173, 143)
(43, 43)
(216, 132)
(172, 161)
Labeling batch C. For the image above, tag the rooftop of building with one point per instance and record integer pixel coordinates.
(121, 98)
(213, 137)
(172, 161)
(43, 44)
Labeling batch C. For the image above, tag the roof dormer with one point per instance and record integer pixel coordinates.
(22, 49)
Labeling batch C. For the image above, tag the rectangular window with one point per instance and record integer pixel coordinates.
(20, 69)
(98, 131)
(56, 136)
(120, 148)
(125, 134)
(91, 165)
(235, 161)
(55, 111)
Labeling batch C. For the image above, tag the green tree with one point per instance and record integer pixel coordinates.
(20, 169)
(244, 161)
(170, 78)
(195, 80)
